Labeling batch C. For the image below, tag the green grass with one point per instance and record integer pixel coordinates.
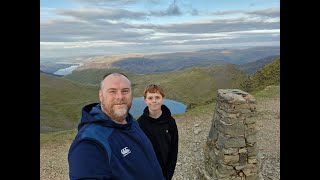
(269, 92)
(200, 110)
(190, 86)
(61, 101)
(269, 75)
(91, 76)
(68, 135)
(57, 137)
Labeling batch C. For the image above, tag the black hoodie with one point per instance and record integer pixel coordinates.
(163, 134)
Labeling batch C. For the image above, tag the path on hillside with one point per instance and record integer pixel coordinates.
(193, 132)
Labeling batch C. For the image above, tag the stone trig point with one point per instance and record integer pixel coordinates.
(231, 149)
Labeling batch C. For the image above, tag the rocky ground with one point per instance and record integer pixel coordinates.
(193, 131)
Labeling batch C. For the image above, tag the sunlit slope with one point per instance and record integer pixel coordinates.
(190, 86)
(268, 75)
(61, 101)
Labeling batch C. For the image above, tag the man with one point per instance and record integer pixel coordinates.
(110, 143)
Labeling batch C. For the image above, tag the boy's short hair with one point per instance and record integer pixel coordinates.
(153, 88)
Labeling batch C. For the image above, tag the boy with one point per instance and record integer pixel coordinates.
(161, 129)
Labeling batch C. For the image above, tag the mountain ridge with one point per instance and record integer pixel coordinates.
(165, 62)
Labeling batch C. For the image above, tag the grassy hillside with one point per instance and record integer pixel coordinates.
(91, 76)
(190, 86)
(58, 137)
(62, 98)
(269, 75)
(270, 92)
(61, 101)
(253, 67)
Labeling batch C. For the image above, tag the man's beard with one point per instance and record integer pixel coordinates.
(117, 113)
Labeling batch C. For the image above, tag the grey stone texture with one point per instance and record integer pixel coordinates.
(231, 148)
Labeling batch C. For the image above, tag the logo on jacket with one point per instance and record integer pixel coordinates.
(125, 151)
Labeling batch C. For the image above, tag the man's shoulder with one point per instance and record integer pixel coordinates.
(96, 135)
(136, 123)
(95, 131)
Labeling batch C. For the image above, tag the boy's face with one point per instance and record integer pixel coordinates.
(154, 101)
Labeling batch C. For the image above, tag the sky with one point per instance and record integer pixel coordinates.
(77, 28)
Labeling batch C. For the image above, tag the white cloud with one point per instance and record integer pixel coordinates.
(84, 44)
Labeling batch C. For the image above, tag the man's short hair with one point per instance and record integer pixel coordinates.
(153, 88)
(114, 73)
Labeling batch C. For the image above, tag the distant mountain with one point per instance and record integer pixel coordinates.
(192, 85)
(91, 76)
(252, 67)
(233, 56)
(181, 60)
(48, 73)
(166, 62)
(268, 75)
(52, 67)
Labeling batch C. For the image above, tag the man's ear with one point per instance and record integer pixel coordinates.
(100, 95)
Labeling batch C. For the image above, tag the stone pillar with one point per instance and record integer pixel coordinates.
(231, 148)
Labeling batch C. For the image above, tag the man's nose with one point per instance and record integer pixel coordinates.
(119, 95)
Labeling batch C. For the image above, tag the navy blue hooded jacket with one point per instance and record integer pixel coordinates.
(104, 149)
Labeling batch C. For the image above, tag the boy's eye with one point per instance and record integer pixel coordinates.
(150, 98)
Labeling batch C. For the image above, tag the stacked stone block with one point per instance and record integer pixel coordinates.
(231, 148)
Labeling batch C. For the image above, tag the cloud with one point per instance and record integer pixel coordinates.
(172, 10)
(194, 12)
(107, 2)
(102, 13)
(108, 33)
(270, 12)
(215, 25)
(102, 30)
(252, 4)
(77, 30)
(228, 12)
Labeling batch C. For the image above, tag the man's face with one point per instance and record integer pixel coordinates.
(116, 97)
(154, 101)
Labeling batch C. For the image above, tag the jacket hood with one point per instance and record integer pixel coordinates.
(165, 116)
(92, 113)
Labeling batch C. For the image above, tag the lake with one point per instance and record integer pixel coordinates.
(138, 106)
(66, 71)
